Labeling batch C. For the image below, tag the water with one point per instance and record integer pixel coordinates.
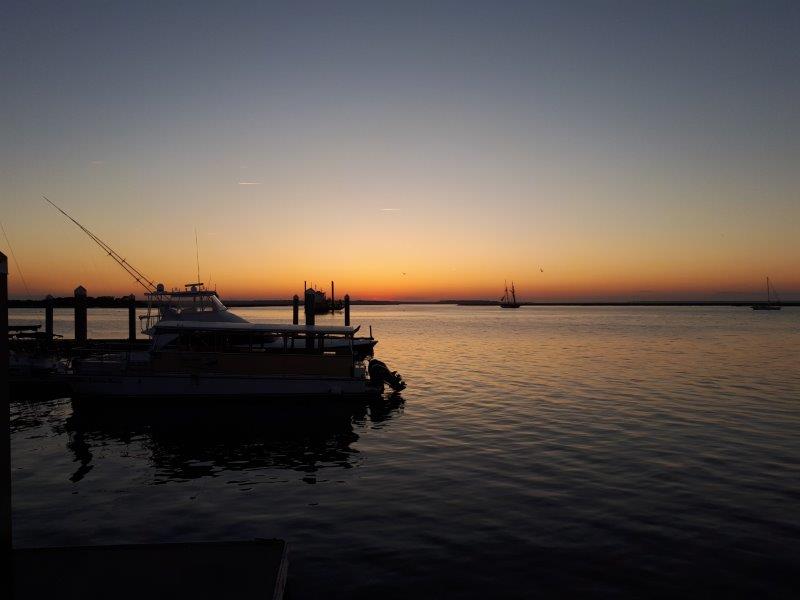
(542, 451)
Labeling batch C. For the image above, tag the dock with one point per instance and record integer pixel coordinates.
(214, 570)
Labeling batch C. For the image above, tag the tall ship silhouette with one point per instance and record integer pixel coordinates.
(509, 299)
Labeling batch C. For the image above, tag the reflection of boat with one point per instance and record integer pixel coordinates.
(509, 300)
(190, 442)
(769, 304)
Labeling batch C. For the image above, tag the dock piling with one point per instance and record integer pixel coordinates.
(5, 444)
(48, 317)
(308, 306)
(296, 309)
(347, 309)
(80, 315)
(132, 318)
(333, 298)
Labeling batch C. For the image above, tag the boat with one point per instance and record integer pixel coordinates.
(29, 353)
(199, 349)
(323, 304)
(769, 304)
(198, 305)
(235, 360)
(509, 300)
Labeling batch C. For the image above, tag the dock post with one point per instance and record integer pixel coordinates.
(132, 318)
(308, 305)
(333, 297)
(296, 309)
(347, 309)
(48, 317)
(6, 442)
(80, 315)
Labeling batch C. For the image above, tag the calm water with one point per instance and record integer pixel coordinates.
(535, 452)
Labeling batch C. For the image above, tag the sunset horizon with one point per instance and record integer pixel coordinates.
(561, 356)
(575, 278)
(405, 154)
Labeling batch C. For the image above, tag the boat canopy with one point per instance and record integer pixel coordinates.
(245, 327)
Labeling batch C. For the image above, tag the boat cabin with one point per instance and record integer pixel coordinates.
(194, 303)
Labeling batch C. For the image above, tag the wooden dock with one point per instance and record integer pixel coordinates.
(254, 569)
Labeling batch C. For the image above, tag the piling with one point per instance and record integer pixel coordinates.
(296, 309)
(308, 305)
(347, 309)
(333, 297)
(5, 444)
(48, 317)
(132, 318)
(80, 315)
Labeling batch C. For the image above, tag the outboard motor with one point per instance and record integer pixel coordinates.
(379, 374)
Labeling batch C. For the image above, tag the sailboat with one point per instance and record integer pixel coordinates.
(770, 304)
(509, 300)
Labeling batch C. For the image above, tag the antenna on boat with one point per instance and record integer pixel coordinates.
(197, 253)
(140, 277)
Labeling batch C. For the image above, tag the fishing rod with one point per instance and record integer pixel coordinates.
(140, 277)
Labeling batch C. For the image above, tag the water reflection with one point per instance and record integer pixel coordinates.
(203, 440)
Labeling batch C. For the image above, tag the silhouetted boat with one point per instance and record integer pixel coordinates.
(769, 304)
(509, 300)
(199, 305)
(199, 349)
(324, 305)
(233, 359)
(29, 354)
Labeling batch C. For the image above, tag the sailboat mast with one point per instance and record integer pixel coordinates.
(768, 300)
(513, 292)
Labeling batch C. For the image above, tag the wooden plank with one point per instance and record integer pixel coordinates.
(214, 570)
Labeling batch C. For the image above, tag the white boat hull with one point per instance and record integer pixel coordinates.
(216, 386)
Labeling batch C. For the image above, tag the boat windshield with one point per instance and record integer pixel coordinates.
(196, 303)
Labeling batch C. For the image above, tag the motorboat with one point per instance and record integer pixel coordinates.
(235, 359)
(200, 349)
(196, 304)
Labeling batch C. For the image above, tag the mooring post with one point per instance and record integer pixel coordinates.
(347, 309)
(296, 309)
(132, 318)
(6, 443)
(48, 317)
(308, 305)
(80, 314)
(333, 297)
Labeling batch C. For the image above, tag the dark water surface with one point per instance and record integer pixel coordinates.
(542, 451)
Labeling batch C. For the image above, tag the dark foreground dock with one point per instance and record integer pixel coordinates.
(255, 569)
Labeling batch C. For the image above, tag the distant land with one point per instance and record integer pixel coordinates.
(122, 302)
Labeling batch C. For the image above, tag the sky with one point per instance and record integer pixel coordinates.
(585, 150)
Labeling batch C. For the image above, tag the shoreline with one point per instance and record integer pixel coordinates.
(123, 302)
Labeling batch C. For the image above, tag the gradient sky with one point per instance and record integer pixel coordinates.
(636, 150)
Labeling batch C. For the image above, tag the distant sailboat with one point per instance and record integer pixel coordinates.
(770, 304)
(509, 300)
